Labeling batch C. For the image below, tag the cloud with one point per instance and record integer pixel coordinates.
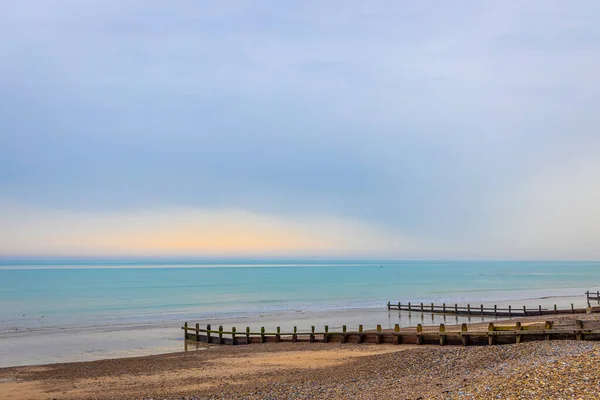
(411, 119)
(187, 232)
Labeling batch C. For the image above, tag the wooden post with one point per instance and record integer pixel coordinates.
(495, 311)
(509, 312)
(399, 306)
(481, 310)
(312, 334)
(208, 333)
(344, 338)
(233, 340)
(326, 335)
(587, 296)
(598, 296)
(397, 328)
(397, 337)
(419, 334)
(524, 311)
(389, 306)
(422, 307)
(540, 308)
(432, 308)
(278, 336)
(378, 337)
(220, 334)
(295, 335)
(442, 335)
(518, 327)
(547, 327)
(578, 332)
(409, 308)
(263, 339)
(491, 337)
(185, 329)
(247, 335)
(455, 308)
(444, 308)
(555, 309)
(463, 337)
(572, 309)
(197, 332)
(359, 337)
(469, 309)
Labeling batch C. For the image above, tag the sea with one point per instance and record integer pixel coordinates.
(54, 310)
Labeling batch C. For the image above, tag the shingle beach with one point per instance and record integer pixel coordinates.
(533, 370)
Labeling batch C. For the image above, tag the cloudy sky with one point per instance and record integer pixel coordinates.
(394, 129)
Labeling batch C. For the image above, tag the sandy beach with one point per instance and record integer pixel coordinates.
(534, 370)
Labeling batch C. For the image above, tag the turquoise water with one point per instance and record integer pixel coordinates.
(56, 294)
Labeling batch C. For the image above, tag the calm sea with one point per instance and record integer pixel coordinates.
(58, 294)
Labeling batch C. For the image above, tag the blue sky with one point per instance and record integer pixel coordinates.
(318, 128)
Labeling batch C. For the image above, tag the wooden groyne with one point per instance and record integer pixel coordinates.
(495, 334)
(480, 310)
(496, 311)
(592, 297)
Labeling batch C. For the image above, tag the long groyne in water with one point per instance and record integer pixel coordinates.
(456, 335)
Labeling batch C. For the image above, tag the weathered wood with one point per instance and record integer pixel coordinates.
(546, 331)
(419, 334)
(548, 326)
(312, 334)
(491, 338)
(442, 336)
(464, 338)
(360, 336)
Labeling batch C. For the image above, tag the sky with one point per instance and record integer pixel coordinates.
(320, 129)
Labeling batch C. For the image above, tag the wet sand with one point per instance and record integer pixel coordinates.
(534, 370)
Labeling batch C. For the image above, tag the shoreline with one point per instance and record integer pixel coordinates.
(337, 371)
(87, 343)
